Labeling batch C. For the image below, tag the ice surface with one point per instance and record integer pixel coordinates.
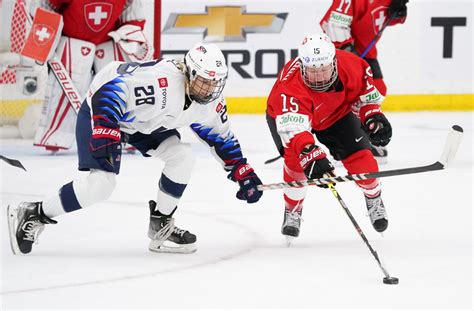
(97, 258)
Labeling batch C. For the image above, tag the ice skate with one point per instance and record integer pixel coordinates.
(25, 223)
(166, 237)
(291, 225)
(377, 213)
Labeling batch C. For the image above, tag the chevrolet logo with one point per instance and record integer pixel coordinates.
(224, 23)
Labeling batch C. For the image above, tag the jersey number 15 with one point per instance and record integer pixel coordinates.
(293, 104)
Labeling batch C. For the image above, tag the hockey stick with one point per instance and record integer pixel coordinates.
(13, 162)
(377, 37)
(387, 279)
(450, 148)
(272, 159)
(59, 71)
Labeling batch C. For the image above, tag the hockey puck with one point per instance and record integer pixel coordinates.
(390, 280)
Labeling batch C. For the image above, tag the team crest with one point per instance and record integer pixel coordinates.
(379, 17)
(43, 34)
(85, 50)
(97, 15)
(99, 53)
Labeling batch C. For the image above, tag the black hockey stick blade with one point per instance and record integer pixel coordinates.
(272, 160)
(449, 151)
(13, 162)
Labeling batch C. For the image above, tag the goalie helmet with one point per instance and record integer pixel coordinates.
(206, 71)
(317, 55)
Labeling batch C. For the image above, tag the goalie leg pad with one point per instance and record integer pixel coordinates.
(58, 118)
(105, 53)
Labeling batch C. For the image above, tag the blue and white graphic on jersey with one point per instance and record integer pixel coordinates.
(107, 103)
(228, 149)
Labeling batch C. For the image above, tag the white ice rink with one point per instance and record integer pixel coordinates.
(97, 258)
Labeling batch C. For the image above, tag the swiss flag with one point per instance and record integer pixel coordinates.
(41, 37)
(42, 34)
(379, 17)
(85, 50)
(97, 15)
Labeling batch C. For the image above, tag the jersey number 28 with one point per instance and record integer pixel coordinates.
(144, 95)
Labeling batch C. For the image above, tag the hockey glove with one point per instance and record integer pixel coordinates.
(398, 8)
(105, 145)
(315, 164)
(379, 130)
(248, 182)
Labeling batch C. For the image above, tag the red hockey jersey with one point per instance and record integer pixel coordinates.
(291, 96)
(357, 22)
(92, 20)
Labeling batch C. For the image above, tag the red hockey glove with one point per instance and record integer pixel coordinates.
(105, 145)
(315, 164)
(248, 182)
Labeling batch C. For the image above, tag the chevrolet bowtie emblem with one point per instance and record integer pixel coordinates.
(224, 23)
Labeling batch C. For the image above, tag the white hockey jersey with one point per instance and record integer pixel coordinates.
(148, 97)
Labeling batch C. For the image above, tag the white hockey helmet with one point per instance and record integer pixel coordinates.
(207, 72)
(317, 55)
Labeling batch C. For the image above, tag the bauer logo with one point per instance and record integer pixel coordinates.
(224, 23)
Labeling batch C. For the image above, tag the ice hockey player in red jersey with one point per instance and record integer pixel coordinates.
(353, 24)
(94, 34)
(315, 94)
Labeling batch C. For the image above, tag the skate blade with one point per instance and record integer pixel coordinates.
(158, 247)
(12, 214)
(289, 240)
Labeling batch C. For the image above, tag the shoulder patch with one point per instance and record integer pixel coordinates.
(340, 19)
(291, 122)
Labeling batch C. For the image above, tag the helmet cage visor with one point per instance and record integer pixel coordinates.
(321, 78)
(204, 90)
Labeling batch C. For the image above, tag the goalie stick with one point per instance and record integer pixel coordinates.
(450, 148)
(59, 71)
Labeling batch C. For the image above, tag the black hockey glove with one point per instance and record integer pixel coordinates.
(105, 145)
(248, 182)
(315, 164)
(379, 129)
(398, 8)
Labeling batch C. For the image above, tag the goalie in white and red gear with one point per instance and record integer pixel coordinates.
(94, 34)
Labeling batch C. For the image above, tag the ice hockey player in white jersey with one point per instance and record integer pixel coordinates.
(144, 104)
